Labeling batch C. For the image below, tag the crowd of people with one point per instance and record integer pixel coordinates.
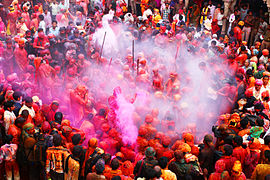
(78, 102)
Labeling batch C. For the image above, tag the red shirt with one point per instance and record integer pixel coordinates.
(240, 153)
(40, 42)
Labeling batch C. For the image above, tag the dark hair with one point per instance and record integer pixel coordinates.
(17, 95)
(107, 158)
(162, 162)
(76, 138)
(244, 123)
(9, 139)
(150, 173)
(267, 154)
(25, 113)
(228, 140)
(102, 112)
(28, 99)
(116, 178)
(249, 72)
(54, 21)
(77, 151)
(238, 140)
(57, 140)
(260, 122)
(40, 30)
(58, 117)
(228, 150)
(41, 17)
(19, 120)
(180, 17)
(267, 140)
(8, 104)
(115, 164)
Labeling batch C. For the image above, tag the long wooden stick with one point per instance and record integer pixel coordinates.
(103, 44)
(138, 61)
(133, 55)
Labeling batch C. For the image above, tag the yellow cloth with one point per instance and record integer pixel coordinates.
(168, 175)
(157, 18)
(261, 171)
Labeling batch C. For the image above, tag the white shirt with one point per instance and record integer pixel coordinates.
(219, 18)
(232, 18)
(47, 19)
(9, 118)
(54, 9)
(31, 111)
(42, 25)
(212, 10)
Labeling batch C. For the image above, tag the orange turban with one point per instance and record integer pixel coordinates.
(237, 167)
(185, 148)
(127, 168)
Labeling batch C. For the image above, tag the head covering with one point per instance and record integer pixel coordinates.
(45, 126)
(237, 167)
(184, 147)
(28, 126)
(66, 129)
(150, 152)
(265, 52)
(166, 141)
(92, 143)
(220, 166)
(241, 23)
(208, 138)
(188, 138)
(259, 82)
(65, 122)
(249, 92)
(255, 144)
(127, 168)
(148, 118)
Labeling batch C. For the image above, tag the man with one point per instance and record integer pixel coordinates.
(72, 164)
(93, 153)
(266, 39)
(16, 129)
(53, 108)
(166, 174)
(166, 12)
(265, 86)
(261, 30)
(239, 152)
(54, 29)
(20, 55)
(8, 154)
(172, 85)
(262, 170)
(265, 146)
(205, 12)
(227, 151)
(28, 105)
(41, 42)
(248, 26)
(17, 96)
(21, 26)
(55, 159)
(9, 116)
(99, 167)
(257, 90)
(42, 23)
(3, 14)
(206, 156)
(181, 168)
(237, 30)
(148, 162)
